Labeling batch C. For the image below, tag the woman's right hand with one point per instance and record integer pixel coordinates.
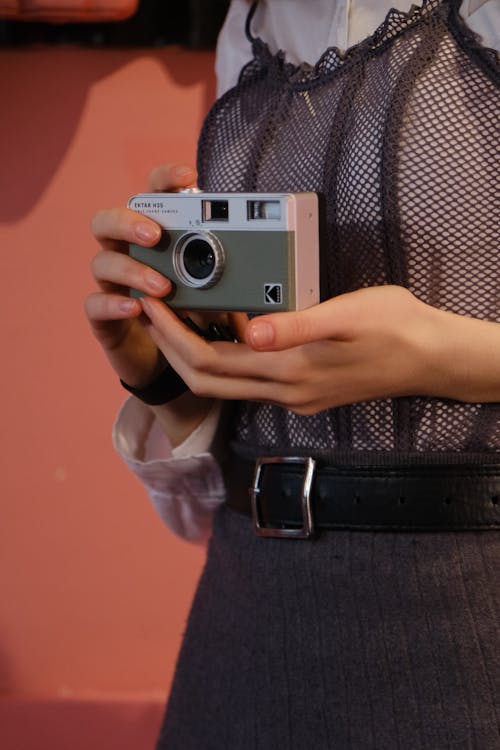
(114, 317)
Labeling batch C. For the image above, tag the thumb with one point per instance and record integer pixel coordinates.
(286, 330)
(171, 177)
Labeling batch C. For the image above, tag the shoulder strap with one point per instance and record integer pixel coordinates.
(248, 23)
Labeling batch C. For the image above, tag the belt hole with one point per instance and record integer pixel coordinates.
(447, 501)
(494, 500)
(357, 499)
(402, 500)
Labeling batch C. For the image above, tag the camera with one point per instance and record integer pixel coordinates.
(250, 252)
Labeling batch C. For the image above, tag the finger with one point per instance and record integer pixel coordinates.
(341, 318)
(111, 270)
(121, 225)
(196, 360)
(231, 387)
(280, 331)
(101, 307)
(171, 332)
(170, 177)
(221, 358)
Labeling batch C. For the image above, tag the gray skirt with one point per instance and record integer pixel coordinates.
(354, 641)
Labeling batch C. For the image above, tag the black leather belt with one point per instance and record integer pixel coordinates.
(292, 497)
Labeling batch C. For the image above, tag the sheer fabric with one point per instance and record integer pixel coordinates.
(400, 134)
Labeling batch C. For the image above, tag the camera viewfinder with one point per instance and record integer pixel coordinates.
(215, 210)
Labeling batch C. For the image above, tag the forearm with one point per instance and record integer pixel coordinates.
(464, 359)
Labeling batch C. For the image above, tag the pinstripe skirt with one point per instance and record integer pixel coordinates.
(353, 641)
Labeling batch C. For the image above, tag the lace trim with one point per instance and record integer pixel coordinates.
(395, 24)
(487, 57)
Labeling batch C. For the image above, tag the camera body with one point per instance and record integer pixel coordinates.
(250, 252)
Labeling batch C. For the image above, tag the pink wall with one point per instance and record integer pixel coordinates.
(94, 591)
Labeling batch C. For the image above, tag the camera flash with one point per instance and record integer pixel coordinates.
(263, 210)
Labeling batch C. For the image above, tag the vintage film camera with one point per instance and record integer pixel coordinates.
(250, 252)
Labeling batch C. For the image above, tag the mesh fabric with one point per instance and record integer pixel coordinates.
(400, 134)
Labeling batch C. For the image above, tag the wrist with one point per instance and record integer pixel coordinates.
(462, 357)
(181, 416)
(165, 387)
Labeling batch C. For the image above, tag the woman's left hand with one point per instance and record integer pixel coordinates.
(374, 343)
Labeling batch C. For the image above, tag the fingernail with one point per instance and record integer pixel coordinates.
(158, 283)
(261, 335)
(127, 305)
(147, 232)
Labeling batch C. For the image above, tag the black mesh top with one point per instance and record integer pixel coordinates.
(400, 134)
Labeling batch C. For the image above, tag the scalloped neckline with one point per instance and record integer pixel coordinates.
(333, 59)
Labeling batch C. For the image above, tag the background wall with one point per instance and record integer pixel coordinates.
(94, 590)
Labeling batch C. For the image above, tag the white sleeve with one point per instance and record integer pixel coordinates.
(233, 48)
(483, 17)
(327, 24)
(185, 484)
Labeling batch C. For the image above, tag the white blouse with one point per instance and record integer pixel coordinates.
(341, 24)
(185, 484)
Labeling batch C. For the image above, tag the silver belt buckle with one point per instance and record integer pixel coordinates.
(307, 528)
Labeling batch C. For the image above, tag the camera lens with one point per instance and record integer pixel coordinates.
(198, 259)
